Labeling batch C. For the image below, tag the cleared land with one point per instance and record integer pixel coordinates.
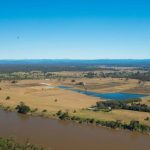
(37, 95)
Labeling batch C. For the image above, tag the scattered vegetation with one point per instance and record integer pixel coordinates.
(141, 76)
(7, 108)
(11, 144)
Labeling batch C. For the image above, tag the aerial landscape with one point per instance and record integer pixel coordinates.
(74, 75)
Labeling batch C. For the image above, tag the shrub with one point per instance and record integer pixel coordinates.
(74, 111)
(73, 80)
(80, 83)
(147, 119)
(134, 125)
(13, 81)
(44, 110)
(7, 108)
(22, 108)
(34, 110)
(59, 113)
(8, 98)
(63, 115)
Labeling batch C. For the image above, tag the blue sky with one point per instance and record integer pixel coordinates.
(84, 29)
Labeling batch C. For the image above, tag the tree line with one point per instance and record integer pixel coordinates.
(133, 125)
(133, 104)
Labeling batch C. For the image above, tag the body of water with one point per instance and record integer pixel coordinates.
(66, 135)
(109, 96)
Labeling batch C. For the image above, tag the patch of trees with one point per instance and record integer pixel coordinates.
(22, 108)
(14, 75)
(142, 76)
(44, 67)
(133, 125)
(90, 75)
(133, 104)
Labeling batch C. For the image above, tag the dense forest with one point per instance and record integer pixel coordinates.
(41, 69)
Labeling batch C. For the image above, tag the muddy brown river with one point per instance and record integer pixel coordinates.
(65, 135)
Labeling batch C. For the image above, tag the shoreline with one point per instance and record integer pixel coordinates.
(113, 125)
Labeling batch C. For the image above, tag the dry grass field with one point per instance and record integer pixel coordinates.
(123, 115)
(105, 85)
(36, 94)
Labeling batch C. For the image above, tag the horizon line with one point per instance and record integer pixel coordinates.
(17, 59)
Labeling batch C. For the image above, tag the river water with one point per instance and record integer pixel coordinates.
(66, 135)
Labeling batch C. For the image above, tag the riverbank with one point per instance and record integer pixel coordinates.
(132, 125)
(118, 124)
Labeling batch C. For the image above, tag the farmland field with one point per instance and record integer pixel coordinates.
(38, 95)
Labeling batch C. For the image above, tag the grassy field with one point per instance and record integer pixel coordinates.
(122, 115)
(40, 96)
(37, 95)
(103, 85)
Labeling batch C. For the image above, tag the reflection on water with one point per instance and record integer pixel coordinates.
(65, 135)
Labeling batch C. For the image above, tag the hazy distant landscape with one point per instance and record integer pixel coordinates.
(70, 65)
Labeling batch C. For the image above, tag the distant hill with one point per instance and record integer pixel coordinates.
(68, 64)
(128, 62)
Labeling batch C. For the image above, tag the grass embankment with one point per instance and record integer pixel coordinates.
(122, 115)
(133, 125)
(11, 144)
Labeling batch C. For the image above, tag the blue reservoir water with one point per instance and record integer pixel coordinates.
(109, 96)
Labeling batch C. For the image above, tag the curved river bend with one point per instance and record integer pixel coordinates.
(64, 135)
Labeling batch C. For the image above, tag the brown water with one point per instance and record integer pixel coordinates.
(64, 135)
